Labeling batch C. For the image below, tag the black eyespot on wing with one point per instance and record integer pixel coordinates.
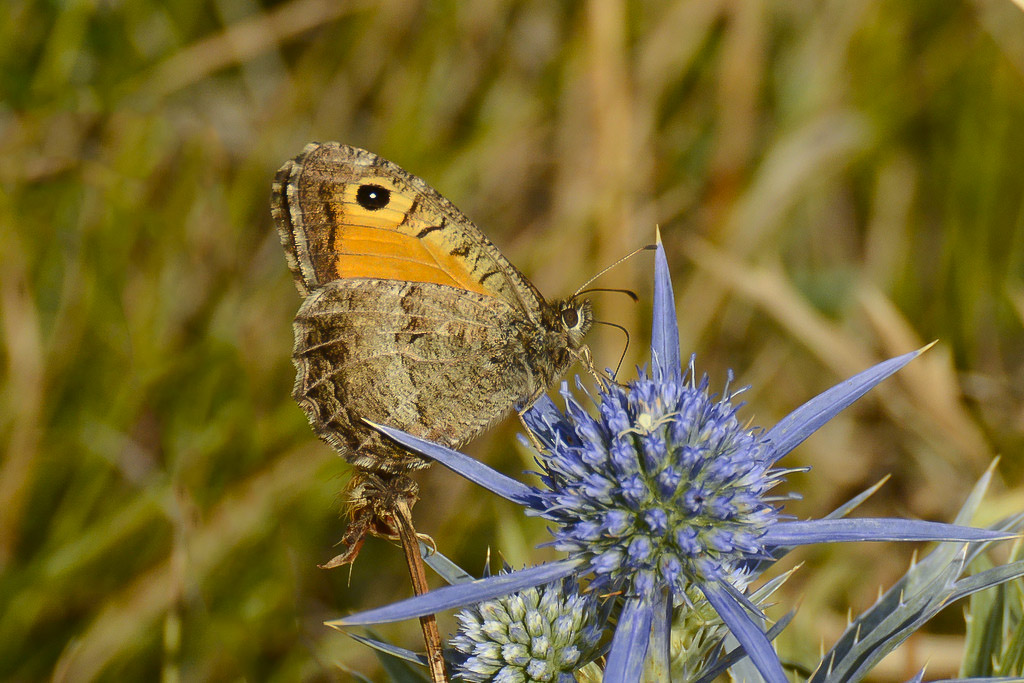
(373, 197)
(570, 317)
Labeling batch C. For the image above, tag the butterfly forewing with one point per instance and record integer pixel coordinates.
(344, 213)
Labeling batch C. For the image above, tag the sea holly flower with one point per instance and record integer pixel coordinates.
(537, 634)
(665, 489)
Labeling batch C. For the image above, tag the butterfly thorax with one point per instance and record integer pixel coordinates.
(550, 352)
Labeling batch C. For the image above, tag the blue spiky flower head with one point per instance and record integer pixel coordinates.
(663, 488)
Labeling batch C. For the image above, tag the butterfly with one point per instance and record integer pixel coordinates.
(410, 318)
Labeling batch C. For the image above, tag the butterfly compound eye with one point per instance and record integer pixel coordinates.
(373, 197)
(570, 318)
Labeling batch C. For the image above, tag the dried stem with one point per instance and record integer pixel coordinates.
(410, 544)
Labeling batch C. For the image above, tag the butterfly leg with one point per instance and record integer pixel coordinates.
(373, 501)
(587, 359)
(603, 379)
(584, 356)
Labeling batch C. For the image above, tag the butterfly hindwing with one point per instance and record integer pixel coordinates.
(409, 355)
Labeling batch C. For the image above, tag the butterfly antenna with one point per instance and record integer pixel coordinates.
(649, 247)
(624, 349)
(628, 292)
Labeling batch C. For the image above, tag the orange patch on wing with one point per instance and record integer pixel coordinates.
(372, 252)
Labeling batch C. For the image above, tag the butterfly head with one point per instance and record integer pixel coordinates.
(576, 317)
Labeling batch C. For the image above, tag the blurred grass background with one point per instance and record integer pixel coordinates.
(837, 182)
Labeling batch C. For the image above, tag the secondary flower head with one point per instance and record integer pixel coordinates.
(538, 634)
(665, 487)
(665, 490)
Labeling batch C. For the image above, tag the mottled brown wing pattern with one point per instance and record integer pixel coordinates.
(333, 224)
(438, 363)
